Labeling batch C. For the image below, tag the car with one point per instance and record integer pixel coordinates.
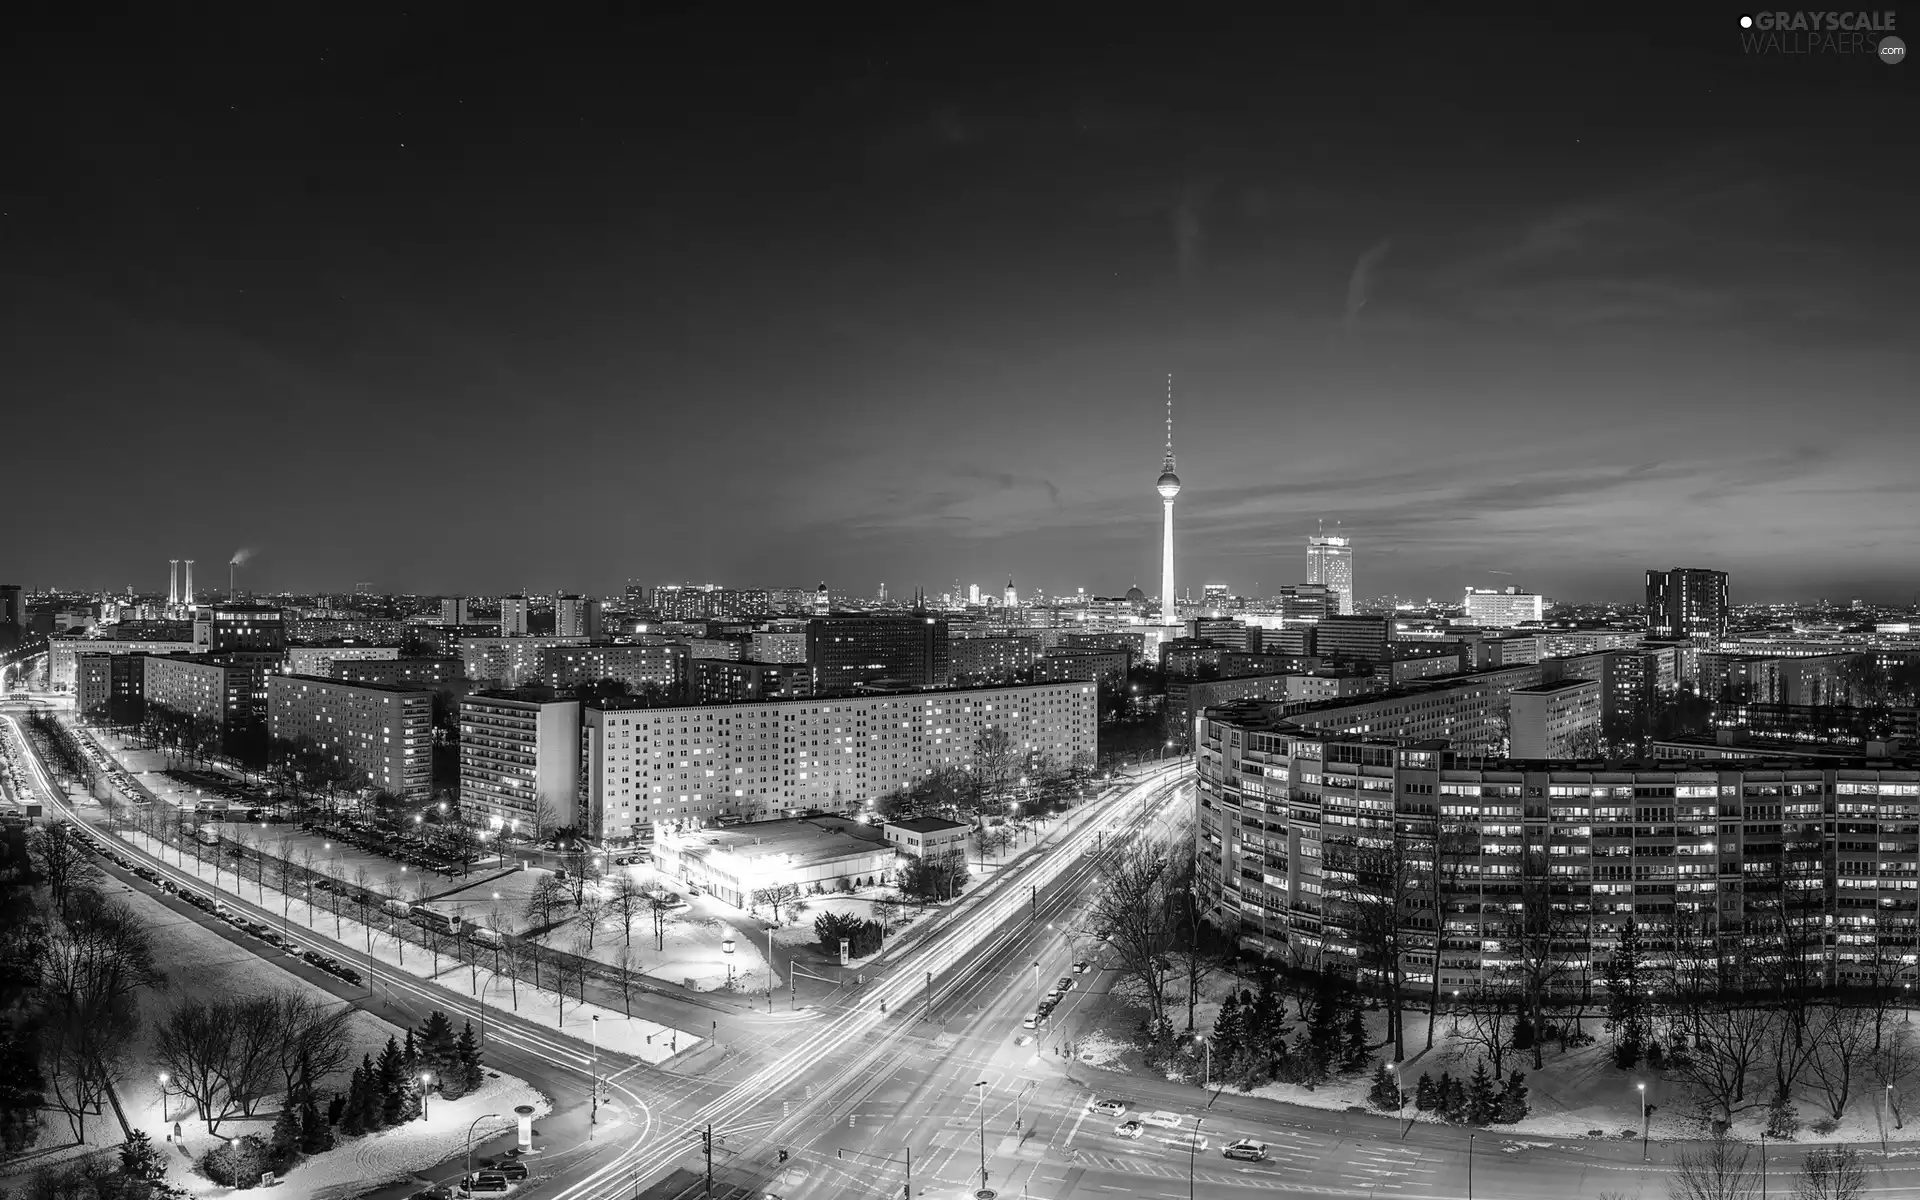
(1129, 1129)
(1045, 1007)
(348, 974)
(483, 1183)
(1111, 1106)
(1163, 1118)
(1064, 984)
(511, 1168)
(1247, 1150)
(1082, 967)
(1032, 1021)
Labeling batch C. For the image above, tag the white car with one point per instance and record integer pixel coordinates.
(1032, 1021)
(1247, 1150)
(1129, 1129)
(1107, 1108)
(1164, 1119)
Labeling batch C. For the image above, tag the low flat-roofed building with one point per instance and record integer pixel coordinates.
(929, 837)
(319, 660)
(430, 674)
(811, 853)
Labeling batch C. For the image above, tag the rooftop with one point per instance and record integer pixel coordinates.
(800, 842)
(928, 824)
(1558, 685)
(398, 689)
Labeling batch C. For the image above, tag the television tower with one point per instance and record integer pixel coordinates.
(1168, 487)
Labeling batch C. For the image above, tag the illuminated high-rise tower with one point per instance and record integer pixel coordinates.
(1330, 562)
(1168, 487)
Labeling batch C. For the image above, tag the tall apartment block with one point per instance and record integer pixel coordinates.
(520, 760)
(1687, 602)
(697, 766)
(453, 610)
(513, 616)
(1719, 863)
(576, 616)
(1330, 563)
(848, 651)
(385, 731)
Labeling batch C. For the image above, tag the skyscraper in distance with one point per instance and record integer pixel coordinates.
(1168, 487)
(1688, 602)
(1330, 562)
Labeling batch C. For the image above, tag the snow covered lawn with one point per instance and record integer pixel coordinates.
(617, 1032)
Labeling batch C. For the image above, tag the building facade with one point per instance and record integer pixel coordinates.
(846, 651)
(319, 660)
(928, 837)
(661, 666)
(507, 661)
(109, 687)
(520, 761)
(1555, 720)
(227, 628)
(812, 855)
(63, 654)
(1724, 866)
(576, 616)
(514, 611)
(723, 681)
(695, 766)
(981, 661)
(205, 687)
(1503, 608)
(1687, 602)
(423, 674)
(1330, 564)
(384, 731)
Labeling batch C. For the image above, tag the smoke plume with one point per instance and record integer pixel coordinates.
(240, 556)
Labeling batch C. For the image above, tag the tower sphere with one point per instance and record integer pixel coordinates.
(1169, 485)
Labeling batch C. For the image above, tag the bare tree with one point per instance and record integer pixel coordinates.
(997, 759)
(1842, 1042)
(565, 971)
(1724, 1065)
(313, 1036)
(624, 963)
(1539, 935)
(592, 910)
(223, 1054)
(1715, 1169)
(1487, 1020)
(626, 901)
(549, 897)
(1440, 848)
(780, 894)
(1831, 1173)
(60, 860)
(1898, 1055)
(1133, 913)
(1372, 884)
(91, 968)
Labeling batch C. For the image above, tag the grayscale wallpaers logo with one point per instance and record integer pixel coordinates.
(1823, 33)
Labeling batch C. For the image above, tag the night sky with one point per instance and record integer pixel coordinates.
(454, 304)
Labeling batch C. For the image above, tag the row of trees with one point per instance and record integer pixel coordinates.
(74, 973)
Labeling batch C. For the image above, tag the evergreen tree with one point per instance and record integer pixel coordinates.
(1523, 1036)
(1229, 1031)
(1385, 1093)
(1354, 1048)
(316, 1136)
(1423, 1093)
(410, 1064)
(353, 1113)
(437, 1047)
(284, 1146)
(139, 1159)
(1513, 1100)
(391, 1085)
(372, 1098)
(1453, 1099)
(1482, 1101)
(467, 1055)
(1626, 999)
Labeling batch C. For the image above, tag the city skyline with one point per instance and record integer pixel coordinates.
(1591, 345)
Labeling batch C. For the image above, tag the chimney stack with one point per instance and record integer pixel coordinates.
(187, 598)
(173, 582)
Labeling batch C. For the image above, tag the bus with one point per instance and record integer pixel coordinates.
(440, 922)
(207, 834)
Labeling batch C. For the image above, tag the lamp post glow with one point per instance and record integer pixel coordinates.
(1643, 1120)
(425, 1079)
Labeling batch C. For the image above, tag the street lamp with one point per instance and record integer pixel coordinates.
(983, 1134)
(1643, 1120)
(593, 1117)
(164, 1078)
(1469, 1166)
(476, 1121)
(1886, 1108)
(425, 1079)
(1400, 1101)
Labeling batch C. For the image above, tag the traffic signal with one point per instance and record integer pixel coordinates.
(706, 1140)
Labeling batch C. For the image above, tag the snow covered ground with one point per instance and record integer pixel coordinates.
(616, 1031)
(1575, 1093)
(200, 962)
